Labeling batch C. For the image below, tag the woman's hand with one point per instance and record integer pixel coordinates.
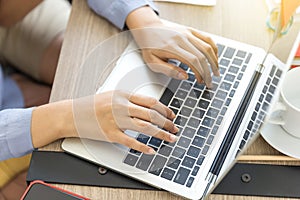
(105, 117)
(161, 40)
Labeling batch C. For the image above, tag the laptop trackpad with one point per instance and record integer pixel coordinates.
(133, 75)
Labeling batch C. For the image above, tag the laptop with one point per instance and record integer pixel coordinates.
(216, 125)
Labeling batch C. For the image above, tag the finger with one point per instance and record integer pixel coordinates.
(200, 62)
(147, 128)
(209, 53)
(134, 144)
(206, 39)
(152, 103)
(156, 64)
(152, 116)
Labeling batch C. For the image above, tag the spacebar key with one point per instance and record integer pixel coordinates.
(144, 162)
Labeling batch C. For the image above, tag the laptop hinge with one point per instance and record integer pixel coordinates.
(260, 68)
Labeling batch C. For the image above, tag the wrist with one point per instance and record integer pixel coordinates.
(51, 122)
(142, 17)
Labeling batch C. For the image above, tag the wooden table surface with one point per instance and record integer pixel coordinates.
(239, 20)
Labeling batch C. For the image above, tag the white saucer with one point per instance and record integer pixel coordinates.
(278, 138)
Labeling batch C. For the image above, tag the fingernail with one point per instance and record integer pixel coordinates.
(175, 129)
(151, 151)
(181, 76)
(173, 138)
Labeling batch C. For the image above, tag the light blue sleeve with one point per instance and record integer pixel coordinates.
(15, 133)
(116, 11)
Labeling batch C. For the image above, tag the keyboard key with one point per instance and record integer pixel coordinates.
(272, 89)
(210, 139)
(253, 117)
(190, 182)
(229, 77)
(246, 135)
(269, 98)
(130, 159)
(220, 49)
(241, 54)
(243, 142)
(166, 97)
(165, 150)
(232, 92)
(180, 120)
(219, 120)
(191, 77)
(198, 141)
(236, 84)
(195, 170)
(208, 122)
(189, 132)
(225, 86)
(214, 130)
(200, 160)
(181, 94)
(233, 69)
(143, 138)
(205, 150)
(144, 161)
(198, 113)
(168, 174)
(182, 175)
(217, 103)
(185, 111)
(199, 86)
(248, 58)
(207, 95)
(184, 142)
(223, 111)
(203, 104)
(178, 152)
(244, 68)
(275, 81)
(193, 122)
(240, 76)
(155, 142)
(133, 151)
(183, 66)
(237, 62)
(188, 162)
(173, 162)
(222, 70)
(195, 93)
(229, 52)
(212, 112)
(203, 131)
(176, 103)
(186, 85)
(221, 94)
(157, 165)
(193, 151)
(216, 79)
(175, 111)
(189, 102)
(278, 73)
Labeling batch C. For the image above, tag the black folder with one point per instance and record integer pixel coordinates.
(243, 179)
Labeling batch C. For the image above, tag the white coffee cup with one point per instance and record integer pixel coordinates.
(286, 111)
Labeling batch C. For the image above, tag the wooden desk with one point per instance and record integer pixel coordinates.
(239, 20)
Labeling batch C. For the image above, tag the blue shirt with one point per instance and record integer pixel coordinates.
(15, 124)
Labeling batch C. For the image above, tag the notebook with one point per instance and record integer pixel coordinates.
(216, 125)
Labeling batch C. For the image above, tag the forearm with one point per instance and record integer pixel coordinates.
(12, 11)
(51, 122)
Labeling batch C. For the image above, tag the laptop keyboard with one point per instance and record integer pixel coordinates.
(261, 106)
(199, 113)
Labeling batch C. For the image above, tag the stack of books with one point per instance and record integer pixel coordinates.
(296, 61)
